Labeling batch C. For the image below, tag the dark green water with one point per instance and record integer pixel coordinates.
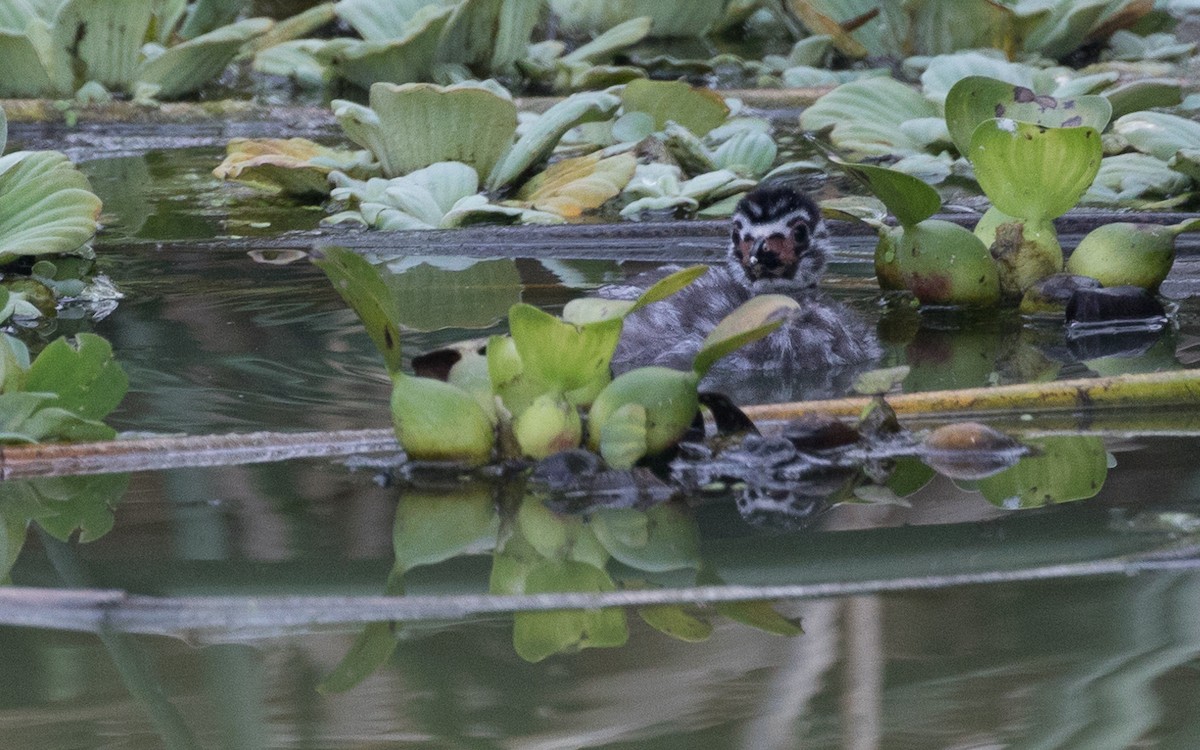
(215, 341)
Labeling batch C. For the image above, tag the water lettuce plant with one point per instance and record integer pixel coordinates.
(151, 50)
(524, 394)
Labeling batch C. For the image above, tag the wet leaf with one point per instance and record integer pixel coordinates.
(557, 538)
(537, 635)
(86, 378)
(750, 321)
(908, 198)
(46, 205)
(372, 648)
(186, 67)
(547, 426)
(622, 436)
(66, 505)
(572, 186)
(945, 264)
(668, 396)
(539, 140)
(1062, 469)
(697, 109)
(294, 166)
(360, 285)
(560, 353)
(437, 421)
(1159, 134)
(865, 116)
(1033, 172)
(414, 125)
(430, 296)
(976, 99)
(432, 526)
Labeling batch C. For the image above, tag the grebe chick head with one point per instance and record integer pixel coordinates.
(779, 236)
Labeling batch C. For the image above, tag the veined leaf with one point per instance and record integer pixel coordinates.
(697, 109)
(975, 99)
(1034, 172)
(46, 205)
(186, 67)
(566, 355)
(413, 125)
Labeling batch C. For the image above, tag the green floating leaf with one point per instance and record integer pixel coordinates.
(865, 116)
(1135, 179)
(750, 321)
(186, 67)
(975, 99)
(547, 426)
(557, 537)
(1143, 94)
(697, 109)
(360, 285)
(560, 353)
(105, 38)
(625, 34)
(407, 58)
(668, 396)
(623, 436)
(537, 635)
(436, 421)
(1159, 134)
(540, 139)
(1061, 469)
(669, 18)
(414, 125)
(909, 199)
(1034, 172)
(46, 205)
(943, 263)
(668, 285)
(86, 378)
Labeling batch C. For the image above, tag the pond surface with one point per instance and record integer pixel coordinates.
(948, 621)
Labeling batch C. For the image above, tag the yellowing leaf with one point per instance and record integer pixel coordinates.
(572, 186)
(285, 165)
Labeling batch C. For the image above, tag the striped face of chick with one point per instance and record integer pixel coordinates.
(778, 234)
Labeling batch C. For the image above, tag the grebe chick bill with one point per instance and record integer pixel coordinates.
(779, 244)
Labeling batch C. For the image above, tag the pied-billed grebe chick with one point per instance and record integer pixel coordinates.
(778, 244)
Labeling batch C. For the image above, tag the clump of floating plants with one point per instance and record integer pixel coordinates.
(150, 50)
(1035, 156)
(48, 216)
(526, 394)
(439, 157)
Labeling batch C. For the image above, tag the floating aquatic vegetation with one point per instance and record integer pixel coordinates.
(63, 394)
(1051, 29)
(1128, 254)
(156, 50)
(1032, 174)
(660, 188)
(295, 166)
(1137, 181)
